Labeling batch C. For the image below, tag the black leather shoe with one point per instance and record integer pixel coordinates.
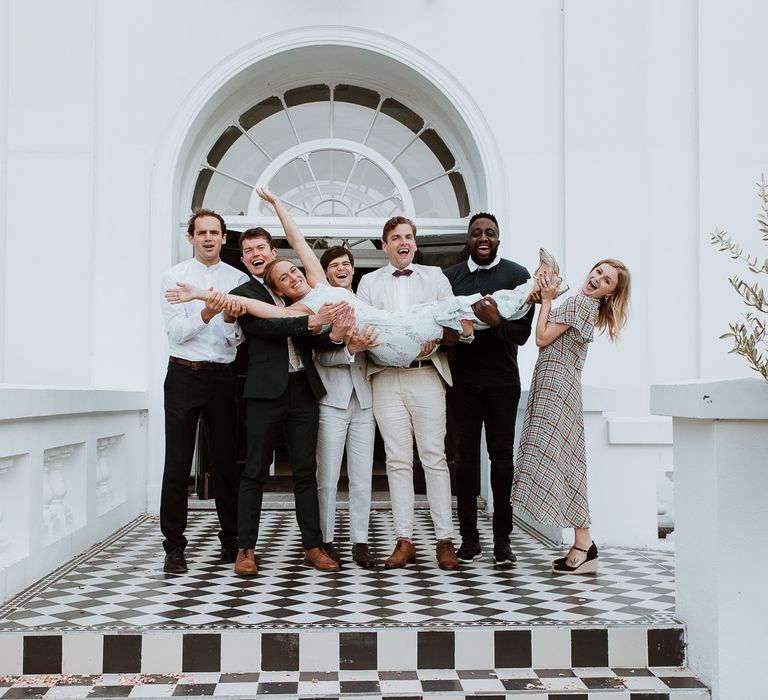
(175, 562)
(362, 556)
(503, 556)
(228, 555)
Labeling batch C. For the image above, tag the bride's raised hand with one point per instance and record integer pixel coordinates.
(267, 196)
(183, 292)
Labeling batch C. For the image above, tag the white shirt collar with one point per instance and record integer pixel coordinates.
(473, 266)
(391, 268)
(207, 268)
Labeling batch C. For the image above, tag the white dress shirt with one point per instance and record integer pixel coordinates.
(189, 337)
(402, 286)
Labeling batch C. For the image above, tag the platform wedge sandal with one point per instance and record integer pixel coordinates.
(587, 566)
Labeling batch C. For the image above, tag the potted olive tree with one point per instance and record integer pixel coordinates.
(749, 336)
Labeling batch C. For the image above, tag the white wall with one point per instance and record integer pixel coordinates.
(50, 141)
(733, 152)
(624, 128)
(3, 168)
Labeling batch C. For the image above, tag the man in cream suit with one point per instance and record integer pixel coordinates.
(410, 402)
(346, 418)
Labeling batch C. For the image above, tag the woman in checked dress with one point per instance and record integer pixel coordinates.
(550, 482)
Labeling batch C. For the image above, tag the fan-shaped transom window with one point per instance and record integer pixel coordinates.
(332, 153)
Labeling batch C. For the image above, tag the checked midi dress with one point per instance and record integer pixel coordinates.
(550, 483)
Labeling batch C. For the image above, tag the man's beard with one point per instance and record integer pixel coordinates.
(492, 256)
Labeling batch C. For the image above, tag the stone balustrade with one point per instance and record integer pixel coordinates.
(73, 466)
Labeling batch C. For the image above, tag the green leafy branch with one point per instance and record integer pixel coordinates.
(749, 337)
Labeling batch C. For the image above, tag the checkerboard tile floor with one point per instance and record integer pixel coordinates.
(592, 683)
(119, 584)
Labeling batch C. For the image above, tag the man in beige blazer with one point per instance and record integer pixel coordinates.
(410, 402)
(346, 419)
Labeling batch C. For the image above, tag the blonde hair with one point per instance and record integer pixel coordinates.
(612, 314)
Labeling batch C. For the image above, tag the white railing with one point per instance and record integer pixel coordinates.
(72, 471)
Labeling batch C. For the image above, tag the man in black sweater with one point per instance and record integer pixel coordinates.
(486, 389)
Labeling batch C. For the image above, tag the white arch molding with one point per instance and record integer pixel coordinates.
(165, 211)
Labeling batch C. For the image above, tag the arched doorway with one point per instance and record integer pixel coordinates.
(347, 125)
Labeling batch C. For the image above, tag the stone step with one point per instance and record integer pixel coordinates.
(112, 622)
(580, 683)
(393, 649)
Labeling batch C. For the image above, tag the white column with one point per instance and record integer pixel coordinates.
(721, 526)
(3, 172)
(50, 182)
(6, 464)
(630, 169)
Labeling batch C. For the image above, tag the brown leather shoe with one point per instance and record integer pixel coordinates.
(330, 549)
(446, 555)
(245, 564)
(404, 553)
(315, 556)
(362, 556)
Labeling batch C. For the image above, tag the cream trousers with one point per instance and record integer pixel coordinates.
(410, 403)
(354, 427)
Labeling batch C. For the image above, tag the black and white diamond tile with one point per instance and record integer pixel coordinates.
(633, 683)
(120, 585)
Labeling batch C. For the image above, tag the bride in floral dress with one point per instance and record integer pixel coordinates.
(400, 335)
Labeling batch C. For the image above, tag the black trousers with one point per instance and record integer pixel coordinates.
(469, 407)
(298, 414)
(187, 393)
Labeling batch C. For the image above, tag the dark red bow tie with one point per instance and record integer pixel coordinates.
(402, 273)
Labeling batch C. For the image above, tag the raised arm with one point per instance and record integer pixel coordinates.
(312, 267)
(547, 332)
(184, 292)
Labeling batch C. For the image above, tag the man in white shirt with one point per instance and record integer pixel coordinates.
(410, 402)
(346, 420)
(202, 341)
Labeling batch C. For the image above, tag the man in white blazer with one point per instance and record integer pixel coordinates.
(410, 402)
(346, 419)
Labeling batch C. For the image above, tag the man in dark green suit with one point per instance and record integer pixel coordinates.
(279, 396)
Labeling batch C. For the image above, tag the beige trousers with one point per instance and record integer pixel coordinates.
(410, 403)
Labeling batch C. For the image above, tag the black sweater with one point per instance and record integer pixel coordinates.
(492, 357)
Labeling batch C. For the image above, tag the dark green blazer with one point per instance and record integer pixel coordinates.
(267, 376)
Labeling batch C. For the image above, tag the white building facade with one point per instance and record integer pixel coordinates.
(595, 128)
